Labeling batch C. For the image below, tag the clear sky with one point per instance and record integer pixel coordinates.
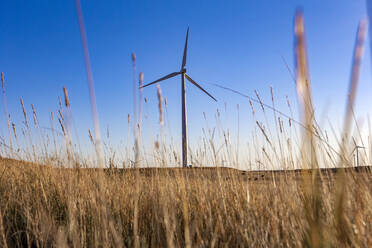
(239, 44)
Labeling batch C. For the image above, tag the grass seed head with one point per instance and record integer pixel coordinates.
(67, 102)
(141, 80)
(2, 80)
(160, 104)
(14, 130)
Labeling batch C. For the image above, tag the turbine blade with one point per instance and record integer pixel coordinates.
(197, 85)
(161, 79)
(185, 51)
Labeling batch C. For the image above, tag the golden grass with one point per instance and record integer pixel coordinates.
(44, 206)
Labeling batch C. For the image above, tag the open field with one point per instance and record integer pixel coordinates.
(45, 206)
(57, 190)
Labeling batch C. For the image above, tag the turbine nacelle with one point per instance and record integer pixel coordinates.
(183, 72)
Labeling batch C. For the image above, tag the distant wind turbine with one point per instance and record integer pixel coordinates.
(356, 148)
(183, 74)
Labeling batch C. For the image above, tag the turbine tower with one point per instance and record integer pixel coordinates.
(183, 74)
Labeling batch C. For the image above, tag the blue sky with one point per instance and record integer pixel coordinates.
(239, 44)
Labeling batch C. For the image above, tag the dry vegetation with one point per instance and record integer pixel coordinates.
(43, 205)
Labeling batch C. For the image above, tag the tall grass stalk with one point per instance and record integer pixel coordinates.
(67, 125)
(343, 223)
(136, 155)
(7, 114)
(353, 86)
(92, 94)
(314, 236)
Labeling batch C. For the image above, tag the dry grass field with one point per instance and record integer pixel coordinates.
(44, 206)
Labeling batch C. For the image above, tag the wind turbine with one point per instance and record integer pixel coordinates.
(356, 148)
(183, 74)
